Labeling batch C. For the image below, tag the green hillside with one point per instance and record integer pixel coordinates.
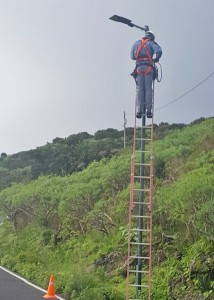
(65, 156)
(75, 226)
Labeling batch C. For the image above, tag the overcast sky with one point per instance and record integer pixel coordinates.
(64, 66)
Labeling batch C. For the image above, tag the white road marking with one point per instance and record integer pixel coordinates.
(28, 282)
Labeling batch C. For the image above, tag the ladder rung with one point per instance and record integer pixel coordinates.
(142, 203)
(137, 271)
(137, 229)
(142, 190)
(139, 285)
(142, 177)
(146, 217)
(142, 139)
(143, 244)
(140, 164)
(139, 127)
(140, 257)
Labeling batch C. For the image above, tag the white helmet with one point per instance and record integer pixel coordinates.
(150, 34)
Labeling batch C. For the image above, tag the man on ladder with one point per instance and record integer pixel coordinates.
(146, 52)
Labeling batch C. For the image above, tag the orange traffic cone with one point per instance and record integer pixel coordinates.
(51, 289)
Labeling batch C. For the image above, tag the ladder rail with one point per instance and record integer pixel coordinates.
(131, 209)
(151, 197)
(140, 210)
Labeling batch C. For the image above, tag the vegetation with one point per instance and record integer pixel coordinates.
(75, 225)
(66, 156)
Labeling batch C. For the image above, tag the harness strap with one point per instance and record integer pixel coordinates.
(146, 72)
(143, 45)
(143, 58)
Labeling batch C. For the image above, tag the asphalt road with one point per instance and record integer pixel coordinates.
(14, 288)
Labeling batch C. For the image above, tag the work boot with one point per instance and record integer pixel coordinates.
(149, 114)
(139, 114)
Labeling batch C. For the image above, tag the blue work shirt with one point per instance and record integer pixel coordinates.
(152, 47)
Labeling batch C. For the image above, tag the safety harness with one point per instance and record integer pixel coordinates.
(143, 45)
